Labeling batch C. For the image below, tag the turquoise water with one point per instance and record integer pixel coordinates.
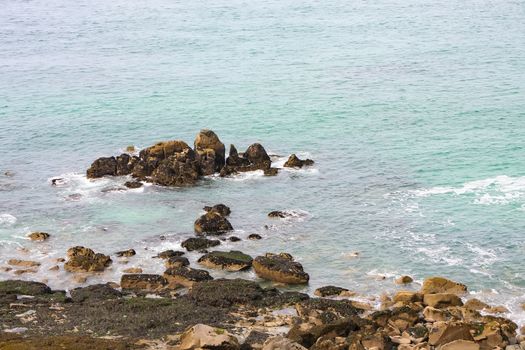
(413, 111)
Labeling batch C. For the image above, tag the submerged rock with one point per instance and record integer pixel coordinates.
(295, 162)
(185, 276)
(126, 253)
(232, 261)
(133, 184)
(169, 254)
(219, 209)
(254, 236)
(198, 243)
(23, 263)
(280, 268)
(83, 259)
(279, 214)
(329, 291)
(38, 236)
(212, 223)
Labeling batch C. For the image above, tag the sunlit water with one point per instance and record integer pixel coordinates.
(413, 111)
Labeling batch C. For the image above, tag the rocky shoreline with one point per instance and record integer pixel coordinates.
(186, 308)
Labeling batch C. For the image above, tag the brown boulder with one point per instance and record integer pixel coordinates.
(143, 282)
(219, 209)
(257, 156)
(199, 243)
(295, 162)
(38, 236)
(101, 167)
(83, 259)
(435, 285)
(280, 268)
(208, 145)
(126, 253)
(125, 164)
(408, 297)
(174, 172)
(231, 261)
(186, 276)
(164, 150)
(441, 300)
(176, 261)
(234, 160)
(404, 280)
(212, 223)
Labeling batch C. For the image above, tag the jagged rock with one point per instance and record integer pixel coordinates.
(271, 171)
(101, 167)
(176, 261)
(280, 268)
(202, 336)
(436, 315)
(85, 260)
(169, 254)
(442, 333)
(186, 276)
(232, 261)
(295, 162)
(404, 280)
(408, 297)
(174, 172)
(254, 236)
(212, 223)
(125, 164)
(208, 142)
(126, 253)
(38, 236)
(199, 243)
(257, 156)
(441, 300)
(23, 263)
(219, 209)
(96, 292)
(281, 343)
(436, 285)
(328, 291)
(143, 282)
(133, 184)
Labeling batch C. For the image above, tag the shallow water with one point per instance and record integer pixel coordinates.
(413, 111)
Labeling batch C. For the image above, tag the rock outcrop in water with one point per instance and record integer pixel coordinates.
(174, 163)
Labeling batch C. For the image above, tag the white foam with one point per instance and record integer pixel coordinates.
(7, 219)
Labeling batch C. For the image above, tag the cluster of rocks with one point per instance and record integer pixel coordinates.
(174, 163)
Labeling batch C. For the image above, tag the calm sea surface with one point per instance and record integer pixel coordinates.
(414, 112)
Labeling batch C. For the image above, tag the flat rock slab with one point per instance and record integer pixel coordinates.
(233, 260)
(186, 276)
(199, 243)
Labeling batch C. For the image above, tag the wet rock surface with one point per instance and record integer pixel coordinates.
(185, 276)
(38, 236)
(233, 260)
(212, 223)
(199, 243)
(295, 162)
(280, 268)
(83, 259)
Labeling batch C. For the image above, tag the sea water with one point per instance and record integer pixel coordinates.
(413, 111)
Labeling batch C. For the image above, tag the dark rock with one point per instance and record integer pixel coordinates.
(278, 214)
(212, 223)
(207, 143)
(169, 254)
(316, 306)
(295, 162)
(176, 261)
(96, 292)
(173, 172)
(271, 171)
(234, 239)
(220, 209)
(143, 282)
(257, 155)
(102, 167)
(126, 253)
(186, 276)
(227, 292)
(280, 268)
(329, 291)
(85, 260)
(198, 243)
(255, 340)
(234, 160)
(17, 287)
(254, 236)
(125, 164)
(232, 261)
(133, 184)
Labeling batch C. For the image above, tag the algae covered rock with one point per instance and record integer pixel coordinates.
(295, 162)
(185, 276)
(212, 223)
(83, 259)
(199, 243)
(96, 292)
(101, 167)
(280, 268)
(233, 260)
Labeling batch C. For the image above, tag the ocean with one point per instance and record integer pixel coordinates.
(413, 111)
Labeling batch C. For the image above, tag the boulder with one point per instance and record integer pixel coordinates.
(435, 285)
(126, 253)
(232, 261)
(257, 156)
(234, 239)
(442, 333)
(38, 236)
(408, 297)
(176, 261)
(255, 340)
(432, 314)
(101, 167)
(96, 292)
(328, 291)
(207, 141)
(83, 259)
(280, 268)
(166, 254)
(174, 172)
(404, 280)
(125, 164)
(199, 243)
(143, 282)
(281, 343)
(133, 184)
(279, 214)
(219, 209)
(441, 300)
(295, 162)
(163, 150)
(185, 276)
(17, 287)
(234, 160)
(202, 336)
(212, 223)
(254, 236)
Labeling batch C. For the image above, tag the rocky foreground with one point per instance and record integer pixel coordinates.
(185, 308)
